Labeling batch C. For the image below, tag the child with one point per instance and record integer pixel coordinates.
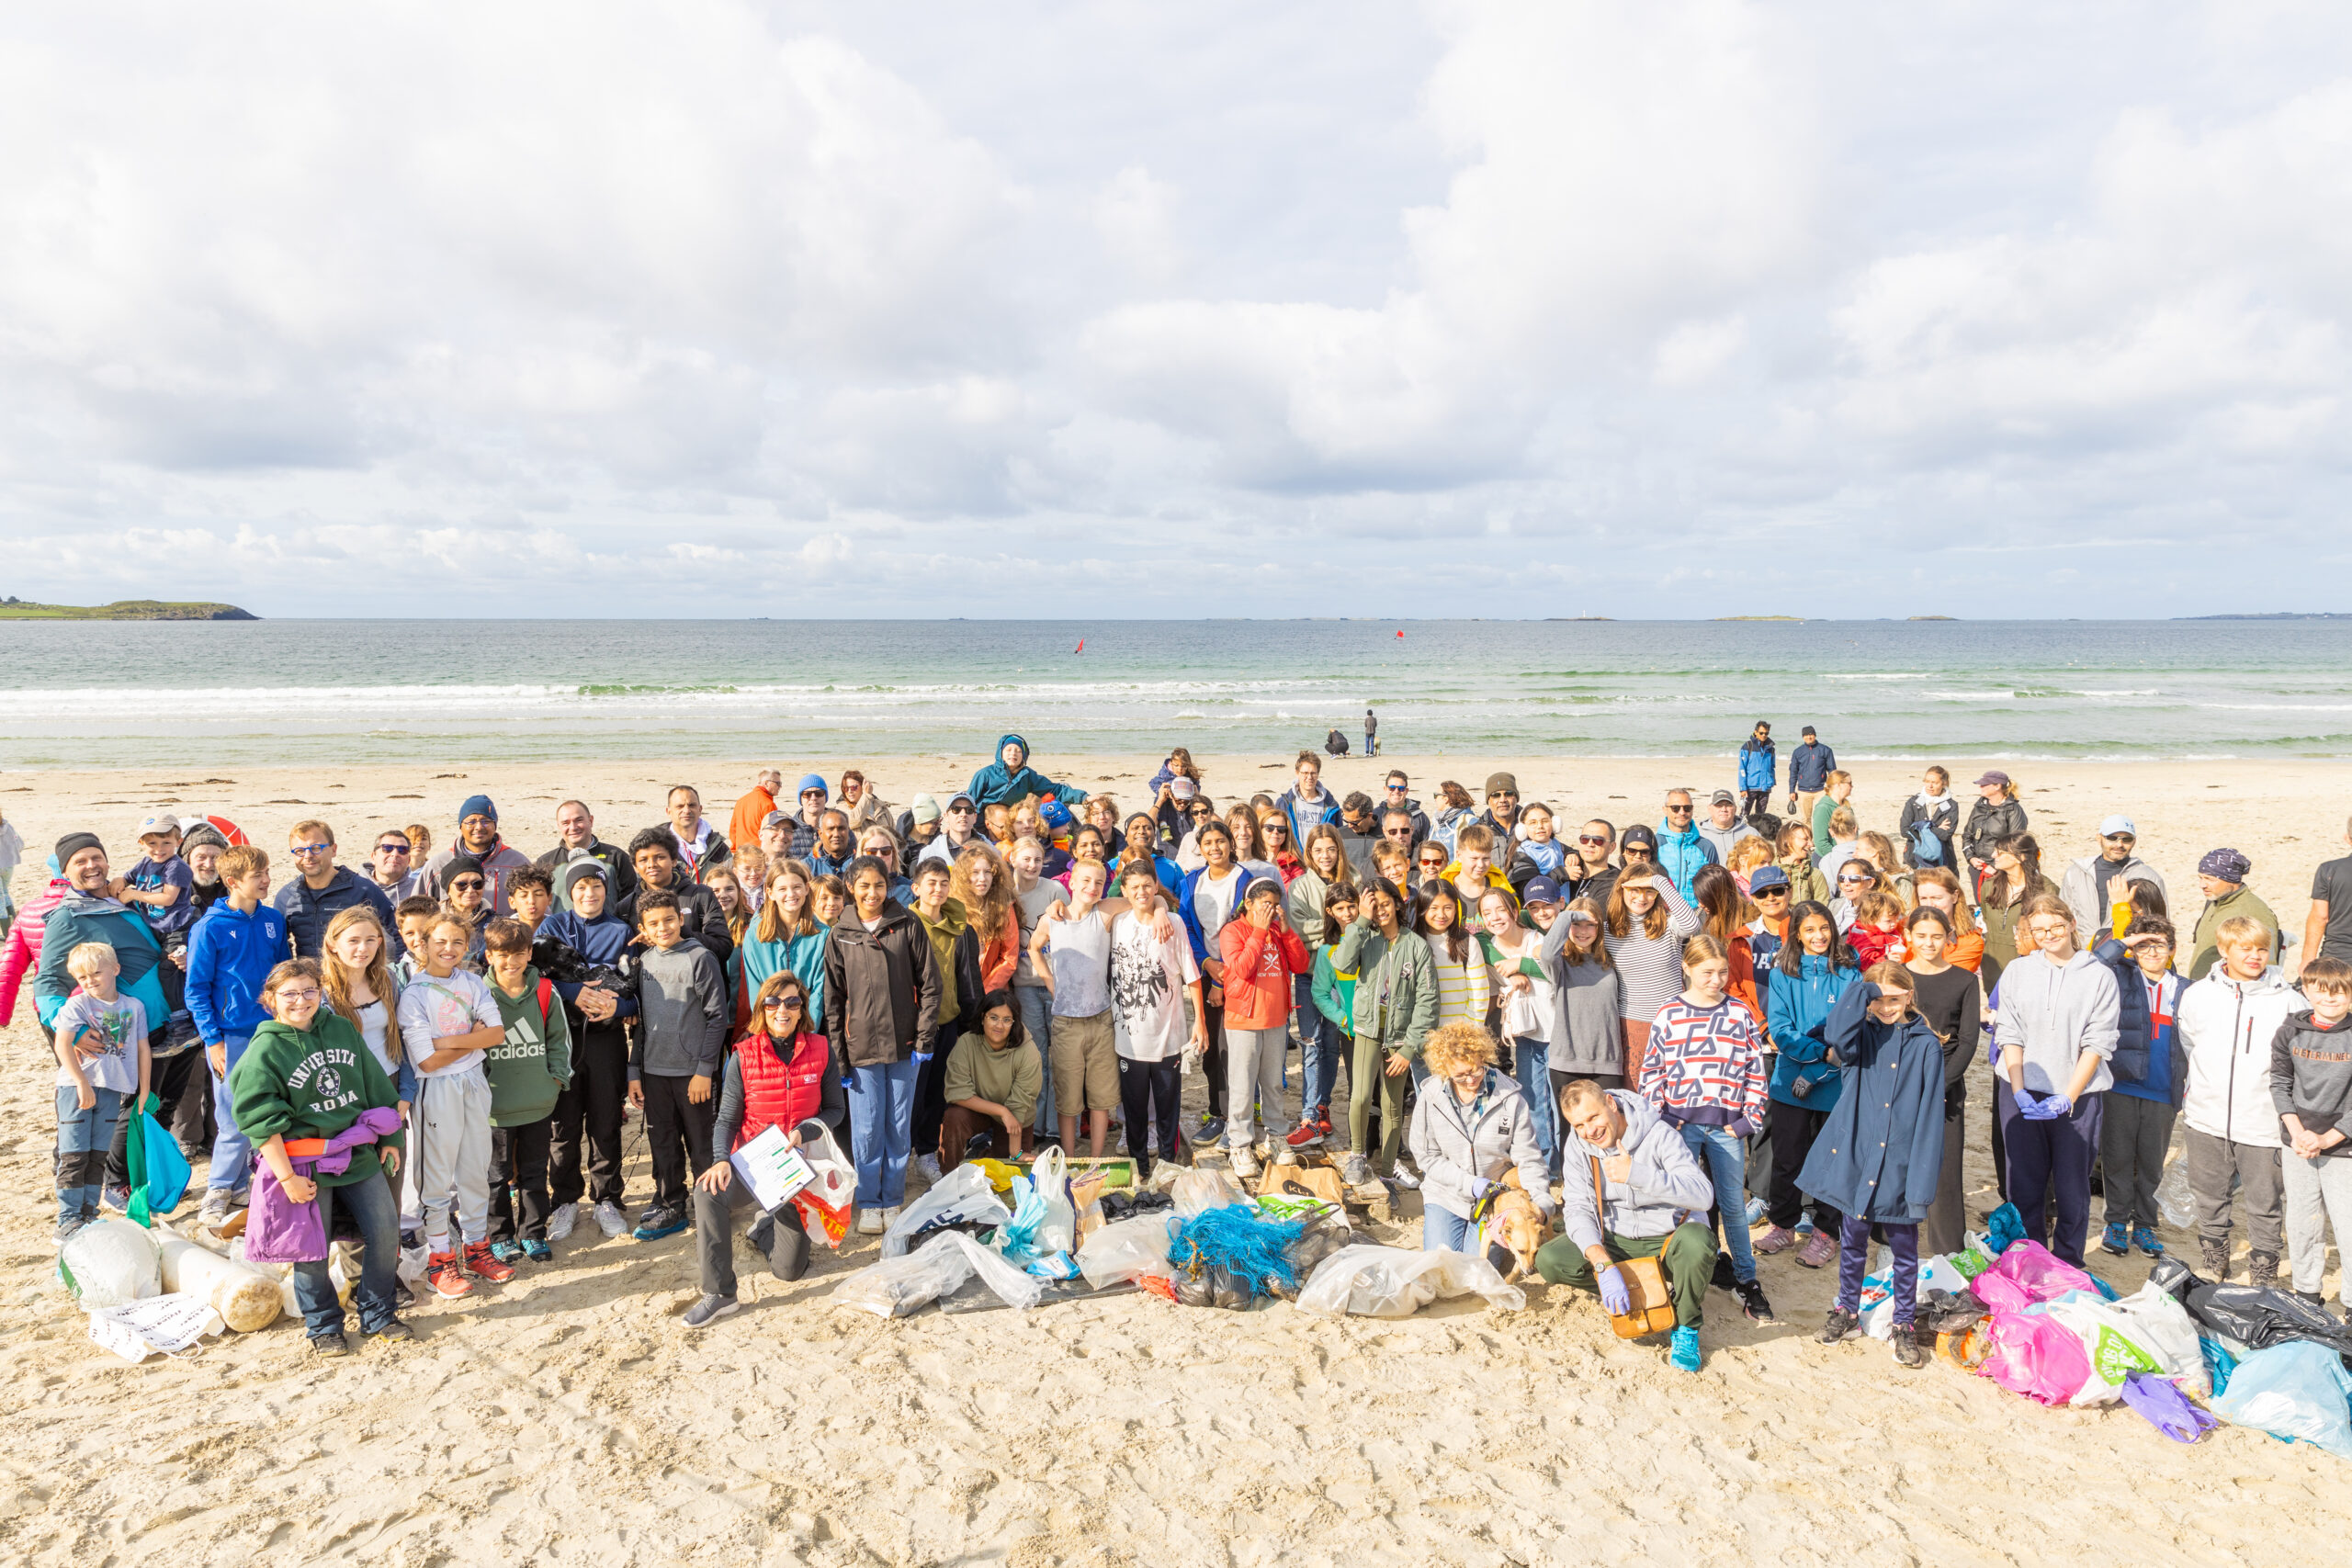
(1811, 971)
(448, 1021)
(102, 1069)
(1261, 954)
(1879, 1158)
(2311, 1083)
(956, 955)
(231, 952)
(1072, 947)
(587, 1117)
(307, 1086)
(1539, 852)
(1153, 977)
(413, 921)
(162, 884)
(2135, 1125)
(1876, 935)
(2227, 1022)
(1333, 991)
(682, 1019)
(528, 1069)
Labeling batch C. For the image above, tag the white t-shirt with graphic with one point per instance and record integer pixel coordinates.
(432, 1009)
(1147, 981)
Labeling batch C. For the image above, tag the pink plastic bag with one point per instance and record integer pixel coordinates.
(2035, 1356)
(2027, 1272)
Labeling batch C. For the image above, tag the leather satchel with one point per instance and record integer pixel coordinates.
(1651, 1309)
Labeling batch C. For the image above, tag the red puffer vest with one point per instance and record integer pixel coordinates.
(779, 1093)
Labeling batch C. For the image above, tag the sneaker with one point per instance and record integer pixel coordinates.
(1323, 1119)
(1908, 1350)
(1245, 1164)
(1285, 1155)
(1779, 1239)
(483, 1263)
(2145, 1238)
(1307, 1134)
(402, 1297)
(559, 1224)
(1842, 1325)
(1208, 1132)
(1354, 1171)
(1403, 1177)
(1755, 1213)
(890, 1214)
(441, 1272)
(869, 1221)
(1685, 1354)
(710, 1309)
(394, 1332)
(658, 1223)
(927, 1166)
(506, 1251)
(1821, 1249)
(1753, 1303)
(330, 1345)
(115, 1196)
(2115, 1240)
(538, 1251)
(242, 1197)
(1723, 1278)
(215, 1211)
(611, 1220)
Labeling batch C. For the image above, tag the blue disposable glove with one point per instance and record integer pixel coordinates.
(2056, 1107)
(2034, 1110)
(1481, 1189)
(920, 1057)
(1614, 1293)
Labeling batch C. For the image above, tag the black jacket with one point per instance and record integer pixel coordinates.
(1943, 822)
(881, 988)
(623, 874)
(699, 909)
(1988, 823)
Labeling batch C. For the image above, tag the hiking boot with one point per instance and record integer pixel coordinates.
(538, 1251)
(1907, 1352)
(1779, 1239)
(1354, 1171)
(2216, 1255)
(1841, 1326)
(559, 1224)
(2145, 1238)
(402, 1297)
(506, 1251)
(1245, 1164)
(1753, 1302)
(1724, 1279)
(330, 1345)
(1323, 1119)
(394, 1332)
(2117, 1240)
(1684, 1356)
(710, 1309)
(1307, 1134)
(442, 1273)
(1820, 1252)
(483, 1263)
(611, 1219)
(2262, 1270)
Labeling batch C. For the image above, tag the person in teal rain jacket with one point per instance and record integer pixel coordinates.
(1815, 969)
(1681, 850)
(1011, 778)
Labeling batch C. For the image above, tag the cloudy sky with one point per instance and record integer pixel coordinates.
(1504, 308)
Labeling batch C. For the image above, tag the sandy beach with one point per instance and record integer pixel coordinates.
(568, 1418)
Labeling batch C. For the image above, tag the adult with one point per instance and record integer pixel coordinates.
(2222, 876)
(699, 909)
(2328, 930)
(699, 844)
(1456, 811)
(576, 840)
(1629, 1181)
(863, 801)
(813, 797)
(834, 847)
(1501, 817)
(752, 807)
(321, 890)
(1307, 802)
(1359, 831)
(1397, 794)
(1809, 769)
(1370, 734)
(2013, 880)
(1949, 1003)
(882, 993)
(1681, 850)
(1467, 1135)
(1931, 820)
(391, 865)
(959, 828)
(1011, 778)
(2095, 884)
(2056, 1026)
(1723, 827)
(918, 824)
(1591, 872)
(993, 1076)
(478, 838)
(1997, 815)
(1760, 771)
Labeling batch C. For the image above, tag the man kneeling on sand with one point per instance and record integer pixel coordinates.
(1651, 1187)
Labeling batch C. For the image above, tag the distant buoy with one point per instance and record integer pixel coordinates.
(1400, 632)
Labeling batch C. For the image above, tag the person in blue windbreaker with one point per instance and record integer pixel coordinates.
(1815, 969)
(1760, 770)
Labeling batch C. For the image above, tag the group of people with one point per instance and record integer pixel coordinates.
(1667, 1037)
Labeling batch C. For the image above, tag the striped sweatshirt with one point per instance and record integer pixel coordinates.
(1464, 988)
(1651, 967)
(1706, 1065)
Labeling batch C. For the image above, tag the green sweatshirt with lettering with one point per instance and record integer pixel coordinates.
(312, 1083)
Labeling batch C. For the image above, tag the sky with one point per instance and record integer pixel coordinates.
(1647, 310)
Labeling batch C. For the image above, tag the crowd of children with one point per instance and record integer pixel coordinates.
(1638, 1028)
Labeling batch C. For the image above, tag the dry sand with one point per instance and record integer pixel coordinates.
(568, 1418)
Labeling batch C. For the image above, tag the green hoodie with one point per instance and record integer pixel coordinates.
(532, 1065)
(952, 924)
(311, 1083)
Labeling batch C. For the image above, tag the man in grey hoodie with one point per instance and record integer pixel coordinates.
(2059, 1020)
(1631, 1188)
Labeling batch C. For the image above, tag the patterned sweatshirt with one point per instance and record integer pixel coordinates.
(1706, 1065)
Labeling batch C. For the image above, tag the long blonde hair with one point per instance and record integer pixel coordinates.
(772, 927)
(335, 976)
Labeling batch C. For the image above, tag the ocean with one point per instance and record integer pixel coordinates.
(313, 691)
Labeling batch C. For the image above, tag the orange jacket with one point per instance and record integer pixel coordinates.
(1966, 951)
(743, 828)
(1001, 953)
(1258, 969)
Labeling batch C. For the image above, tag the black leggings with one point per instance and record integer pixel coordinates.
(1794, 1130)
(1146, 1089)
(1212, 1058)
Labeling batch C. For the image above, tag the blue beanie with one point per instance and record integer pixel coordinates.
(815, 782)
(477, 806)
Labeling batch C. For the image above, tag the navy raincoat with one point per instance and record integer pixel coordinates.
(1882, 1147)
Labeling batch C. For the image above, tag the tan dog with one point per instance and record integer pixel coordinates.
(1514, 1227)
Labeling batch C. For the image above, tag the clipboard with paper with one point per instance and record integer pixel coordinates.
(772, 1169)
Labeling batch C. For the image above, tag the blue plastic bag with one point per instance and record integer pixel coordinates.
(2296, 1392)
(2219, 1363)
(155, 1158)
(1029, 1213)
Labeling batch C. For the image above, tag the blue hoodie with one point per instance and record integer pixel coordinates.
(1681, 855)
(227, 958)
(605, 940)
(996, 782)
(1797, 1009)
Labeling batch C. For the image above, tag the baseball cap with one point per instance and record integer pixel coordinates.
(1182, 788)
(815, 782)
(1723, 797)
(1994, 777)
(1808, 729)
(158, 822)
(923, 808)
(1052, 813)
(2117, 823)
(1502, 784)
(1765, 878)
(960, 798)
(1542, 890)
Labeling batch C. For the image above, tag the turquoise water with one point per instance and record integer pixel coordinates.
(105, 695)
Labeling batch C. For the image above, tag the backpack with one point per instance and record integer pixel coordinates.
(1925, 847)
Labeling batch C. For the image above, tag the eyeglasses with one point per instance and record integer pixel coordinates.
(468, 884)
(311, 849)
(393, 849)
(287, 994)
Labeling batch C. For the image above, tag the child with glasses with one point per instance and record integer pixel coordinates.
(448, 1021)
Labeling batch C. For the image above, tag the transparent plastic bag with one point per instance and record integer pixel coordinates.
(2297, 1392)
(1366, 1280)
(1057, 1227)
(110, 1263)
(1197, 1190)
(963, 1196)
(1128, 1249)
(2173, 1201)
(897, 1287)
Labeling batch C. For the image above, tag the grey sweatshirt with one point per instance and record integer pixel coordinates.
(683, 1014)
(2310, 1076)
(1666, 1188)
(1588, 1017)
(2051, 1015)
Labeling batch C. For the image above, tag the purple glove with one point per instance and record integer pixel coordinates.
(1613, 1292)
(2057, 1107)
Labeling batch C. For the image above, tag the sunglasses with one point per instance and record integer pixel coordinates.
(1396, 789)
(1400, 832)
(392, 849)
(1590, 839)
(778, 1004)
(1678, 810)
(468, 884)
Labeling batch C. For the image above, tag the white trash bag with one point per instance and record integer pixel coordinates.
(897, 1287)
(111, 1262)
(1050, 1176)
(1368, 1280)
(1129, 1249)
(964, 1196)
(171, 1324)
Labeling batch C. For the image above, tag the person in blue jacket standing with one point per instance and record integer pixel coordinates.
(1760, 770)
(1011, 778)
(1809, 768)
(1880, 1152)
(234, 946)
(1681, 849)
(1815, 969)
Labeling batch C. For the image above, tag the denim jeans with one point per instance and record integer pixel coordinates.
(1531, 1066)
(371, 1206)
(232, 1152)
(1037, 1005)
(1445, 1231)
(1724, 1154)
(83, 1139)
(1325, 1047)
(881, 1129)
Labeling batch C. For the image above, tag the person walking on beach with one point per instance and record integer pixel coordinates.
(2098, 885)
(1760, 771)
(1809, 769)
(2222, 875)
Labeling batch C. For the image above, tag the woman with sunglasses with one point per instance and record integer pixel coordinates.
(781, 1075)
(467, 898)
(1273, 833)
(1856, 877)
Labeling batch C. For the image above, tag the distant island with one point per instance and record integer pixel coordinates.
(14, 609)
(2276, 616)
